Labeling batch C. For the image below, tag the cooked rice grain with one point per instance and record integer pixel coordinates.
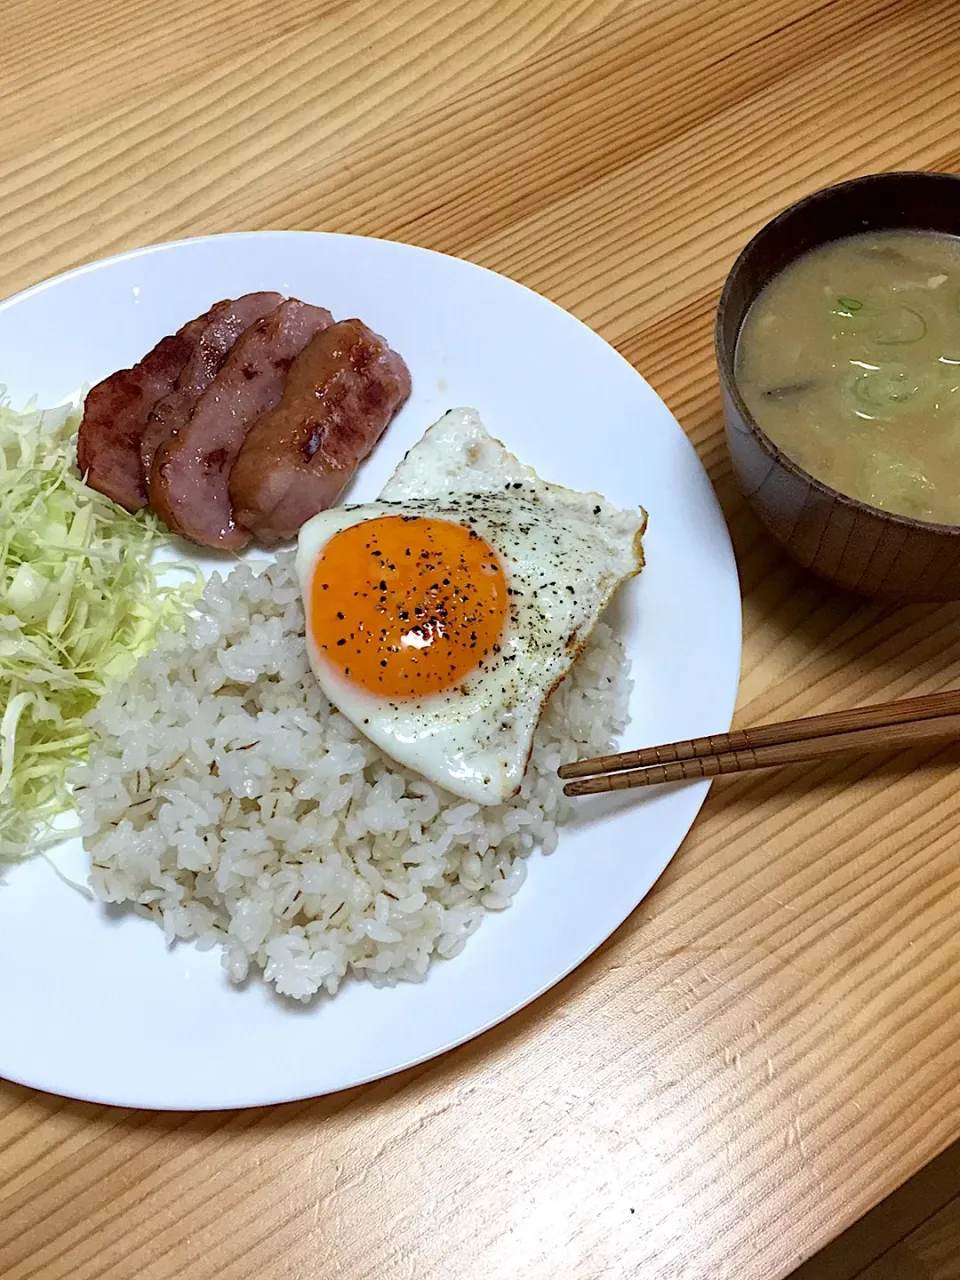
(230, 801)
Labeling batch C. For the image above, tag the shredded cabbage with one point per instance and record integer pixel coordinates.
(80, 601)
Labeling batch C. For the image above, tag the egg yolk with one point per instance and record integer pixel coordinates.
(406, 606)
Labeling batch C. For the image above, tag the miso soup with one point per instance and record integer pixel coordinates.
(849, 360)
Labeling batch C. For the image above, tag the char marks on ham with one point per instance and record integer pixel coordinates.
(245, 423)
(225, 323)
(191, 470)
(115, 415)
(342, 392)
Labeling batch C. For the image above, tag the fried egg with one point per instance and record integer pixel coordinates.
(440, 618)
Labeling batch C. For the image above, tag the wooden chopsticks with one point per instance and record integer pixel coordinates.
(885, 726)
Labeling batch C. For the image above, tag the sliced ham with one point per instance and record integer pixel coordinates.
(115, 415)
(341, 393)
(225, 323)
(189, 479)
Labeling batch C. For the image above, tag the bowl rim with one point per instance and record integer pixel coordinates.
(725, 359)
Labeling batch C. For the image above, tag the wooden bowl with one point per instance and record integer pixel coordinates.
(848, 542)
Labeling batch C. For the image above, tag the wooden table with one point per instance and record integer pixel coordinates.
(769, 1044)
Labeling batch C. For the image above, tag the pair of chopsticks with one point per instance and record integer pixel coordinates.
(885, 726)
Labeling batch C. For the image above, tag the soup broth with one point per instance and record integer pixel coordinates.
(849, 360)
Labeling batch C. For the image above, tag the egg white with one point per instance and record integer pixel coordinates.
(564, 554)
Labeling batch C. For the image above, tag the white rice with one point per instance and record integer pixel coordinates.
(227, 799)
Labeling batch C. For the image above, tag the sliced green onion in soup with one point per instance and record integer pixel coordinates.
(888, 326)
(898, 327)
(847, 307)
(887, 391)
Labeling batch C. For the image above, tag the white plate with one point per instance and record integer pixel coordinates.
(92, 1003)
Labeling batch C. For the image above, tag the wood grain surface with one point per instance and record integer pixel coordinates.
(768, 1046)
